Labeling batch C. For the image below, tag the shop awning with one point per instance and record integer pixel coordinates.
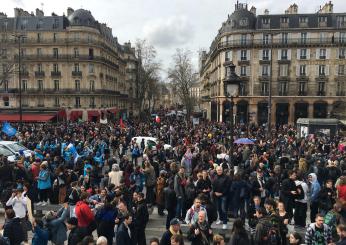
(75, 115)
(26, 117)
(93, 113)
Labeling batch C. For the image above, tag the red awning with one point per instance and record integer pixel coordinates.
(75, 115)
(27, 117)
(62, 113)
(93, 113)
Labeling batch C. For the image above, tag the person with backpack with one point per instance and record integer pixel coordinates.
(334, 218)
(267, 229)
(56, 225)
(239, 235)
(192, 214)
(318, 233)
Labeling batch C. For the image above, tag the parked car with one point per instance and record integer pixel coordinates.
(15, 147)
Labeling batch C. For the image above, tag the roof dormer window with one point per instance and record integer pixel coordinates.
(265, 21)
(284, 20)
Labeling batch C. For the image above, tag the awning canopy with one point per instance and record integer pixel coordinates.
(75, 115)
(26, 117)
(93, 113)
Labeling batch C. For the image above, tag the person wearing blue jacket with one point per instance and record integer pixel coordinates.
(56, 225)
(41, 234)
(44, 183)
(314, 192)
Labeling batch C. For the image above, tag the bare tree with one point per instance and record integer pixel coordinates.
(148, 70)
(182, 78)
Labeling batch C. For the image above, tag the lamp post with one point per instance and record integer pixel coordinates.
(18, 37)
(231, 85)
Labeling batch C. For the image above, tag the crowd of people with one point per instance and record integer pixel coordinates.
(108, 184)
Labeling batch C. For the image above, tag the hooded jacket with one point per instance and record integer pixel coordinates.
(84, 214)
(315, 188)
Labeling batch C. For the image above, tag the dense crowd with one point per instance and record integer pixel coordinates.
(107, 185)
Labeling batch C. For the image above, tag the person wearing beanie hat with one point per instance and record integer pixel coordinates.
(76, 233)
(174, 229)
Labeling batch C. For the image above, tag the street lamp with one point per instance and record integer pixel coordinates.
(18, 37)
(231, 85)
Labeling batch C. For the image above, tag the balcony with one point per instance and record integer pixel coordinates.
(39, 74)
(24, 74)
(283, 93)
(302, 93)
(321, 93)
(76, 73)
(264, 93)
(340, 93)
(303, 57)
(322, 57)
(55, 74)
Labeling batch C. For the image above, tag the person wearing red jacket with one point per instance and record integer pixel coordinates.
(84, 214)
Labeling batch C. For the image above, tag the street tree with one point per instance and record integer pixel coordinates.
(148, 73)
(182, 78)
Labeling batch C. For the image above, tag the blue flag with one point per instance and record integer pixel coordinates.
(8, 129)
(73, 151)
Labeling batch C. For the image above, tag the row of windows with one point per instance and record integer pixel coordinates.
(285, 37)
(305, 19)
(76, 68)
(285, 54)
(301, 70)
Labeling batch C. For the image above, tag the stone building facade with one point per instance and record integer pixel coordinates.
(300, 56)
(70, 65)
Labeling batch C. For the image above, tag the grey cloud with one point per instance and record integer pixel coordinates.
(170, 32)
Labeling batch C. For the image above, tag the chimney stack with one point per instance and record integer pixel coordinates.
(39, 13)
(327, 8)
(292, 9)
(266, 12)
(253, 10)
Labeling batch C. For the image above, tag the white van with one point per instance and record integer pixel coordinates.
(152, 141)
(15, 147)
(7, 153)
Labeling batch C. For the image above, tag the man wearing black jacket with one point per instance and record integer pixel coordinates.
(170, 202)
(125, 234)
(289, 192)
(220, 188)
(76, 233)
(141, 219)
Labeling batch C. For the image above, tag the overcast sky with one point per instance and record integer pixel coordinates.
(166, 24)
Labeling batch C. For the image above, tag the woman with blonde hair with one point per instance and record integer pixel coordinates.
(218, 240)
(43, 183)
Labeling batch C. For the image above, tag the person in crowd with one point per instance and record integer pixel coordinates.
(301, 201)
(333, 218)
(41, 234)
(342, 234)
(12, 228)
(200, 233)
(84, 214)
(203, 185)
(326, 197)
(44, 183)
(285, 218)
(220, 189)
(170, 200)
(218, 240)
(160, 186)
(102, 241)
(251, 215)
(115, 175)
(141, 218)
(174, 229)
(76, 234)
(295, 239)
(289, 192)
(177, 240)
(18, 202)
(150, 182)
(179, 188)
(192, 213)
(259, 185)
(55, 222)
(318, 233)
(105, 219)
(315, 190)
(125, 236)
(239, 235)
(154, 241)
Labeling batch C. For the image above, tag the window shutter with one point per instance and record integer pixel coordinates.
(248, 54)
(297, 70)
(307, 70)
(260, 71)
(260, 54)
(289, 54)
(270, 55)
(269, 71)
(308, 54)
(328, 53)
(298, 54)
(279, 54)
(239, 54)
(327, 70)
(337, 53)
(248, 70)
(336, 70)
(317, 54)
(316, 70)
